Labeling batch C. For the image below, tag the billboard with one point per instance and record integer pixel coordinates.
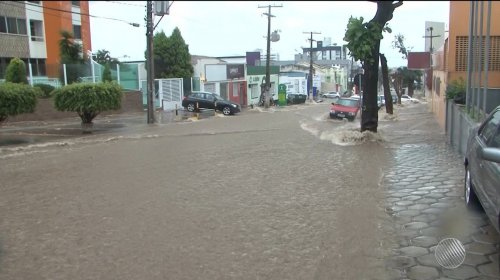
(235, 71)
(419, 60)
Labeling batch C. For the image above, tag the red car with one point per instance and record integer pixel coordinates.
(345, 108)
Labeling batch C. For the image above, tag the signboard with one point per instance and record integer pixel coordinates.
(235, 71)
(419, 60)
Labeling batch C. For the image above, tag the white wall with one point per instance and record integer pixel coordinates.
(199, 67)
(215, 72)
(37, 48)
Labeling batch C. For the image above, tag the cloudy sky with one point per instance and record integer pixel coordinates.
(228, 28)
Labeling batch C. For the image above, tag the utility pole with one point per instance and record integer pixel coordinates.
(310, 80)
(268, 74)
(150, 62)
(430, 29)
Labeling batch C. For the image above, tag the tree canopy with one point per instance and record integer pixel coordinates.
(171, 56)
(71, 55)
(403, 75)
(103, 57)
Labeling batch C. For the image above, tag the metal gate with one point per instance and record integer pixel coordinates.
(171, 92)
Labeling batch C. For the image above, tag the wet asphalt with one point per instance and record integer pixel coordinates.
(284, 193)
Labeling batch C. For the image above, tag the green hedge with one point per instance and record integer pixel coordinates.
(16, 72)
(16, 99)
(46, 90)
(88, 99)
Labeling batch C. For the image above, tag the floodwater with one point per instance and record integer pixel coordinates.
(284, 193)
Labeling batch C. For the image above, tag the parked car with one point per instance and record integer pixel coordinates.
(208, 100)
(331, 94)
(296, 98)
(394, 98)
(406, 98)
(355, 96)
(380, 101)
(482, 168)
(344, 108)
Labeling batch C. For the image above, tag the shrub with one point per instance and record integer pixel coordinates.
(88, 99)
(46, 90)
(106, 74)
(16, 72)
(16, 99)
(456, 90)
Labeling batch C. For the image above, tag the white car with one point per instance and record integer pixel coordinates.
(331, 94)
(406, 98)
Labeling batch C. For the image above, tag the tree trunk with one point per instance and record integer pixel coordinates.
(387, 89)
(410, 88)
(369, 110)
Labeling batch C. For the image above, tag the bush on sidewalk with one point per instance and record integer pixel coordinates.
(456, 90)
(46, 90)
(88, 99)
(16, 99)
(16, 72)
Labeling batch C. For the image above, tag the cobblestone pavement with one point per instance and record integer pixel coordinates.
(425, 199)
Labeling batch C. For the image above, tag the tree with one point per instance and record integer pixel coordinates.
(456, 90)
(16, 72)
(88, 99)
(387, 87)
(171, 56)
(364, 45)
(71, 55)
(397, 82)
(103, 57)
(106, 73)
(409, 76)
(16, 98)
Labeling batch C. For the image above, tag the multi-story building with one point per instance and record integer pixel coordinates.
(450, 61)
(30, 30)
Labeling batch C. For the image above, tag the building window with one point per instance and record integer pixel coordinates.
(75, 3)
(21, 27)
(13, 25)
(36, 28)
(38, 67)
(3, 25)
(461, 57)
(77, 32)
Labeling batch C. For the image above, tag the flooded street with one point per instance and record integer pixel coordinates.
(284, 194)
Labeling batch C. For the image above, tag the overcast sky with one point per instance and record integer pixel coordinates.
(228, 28)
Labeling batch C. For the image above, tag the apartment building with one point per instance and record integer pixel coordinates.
(450, 61)
(30, 30)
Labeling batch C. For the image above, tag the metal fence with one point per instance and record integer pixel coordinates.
(128, 75)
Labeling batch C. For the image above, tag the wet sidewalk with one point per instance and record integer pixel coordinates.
(425, 200)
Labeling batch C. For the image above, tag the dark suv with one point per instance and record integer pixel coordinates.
(207, 100)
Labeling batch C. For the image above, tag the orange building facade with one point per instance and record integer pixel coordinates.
(450, 61)
(30, 30)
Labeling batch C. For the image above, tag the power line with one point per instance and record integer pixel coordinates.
(83, 14)
(40, 12)
(127, 4)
